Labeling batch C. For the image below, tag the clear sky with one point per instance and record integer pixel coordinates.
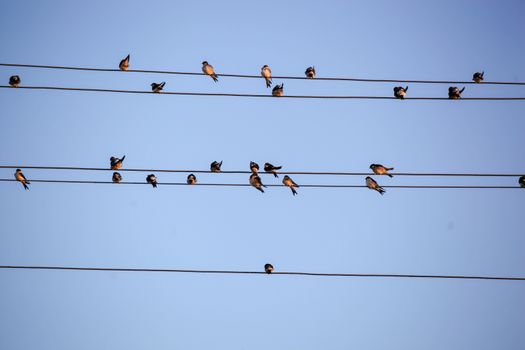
(471, 232)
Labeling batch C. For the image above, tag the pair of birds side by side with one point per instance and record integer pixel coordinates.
(454, 93)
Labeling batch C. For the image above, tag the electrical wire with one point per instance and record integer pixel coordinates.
(332, 97)
(284, 273)
(259, 77)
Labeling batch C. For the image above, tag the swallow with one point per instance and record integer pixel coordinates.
(400, 92)
(378, 169)
(454, 93)
(256, 182)
(116, 163)
(372, 184)
(19, 176)
(208, 70)
(254, 167)
(116, 177)
(124, 64)
(521, 181)
(268, 268)
(215, 167)
(278, 90)
(269, 168)
(152, 179)
(14, 81)
(157, 87)
(287, 181)
(310, 72)
(266, 73)
(478, 77)
(191, 180)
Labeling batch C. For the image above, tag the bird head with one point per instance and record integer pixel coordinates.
(204, 63)
(18, 170)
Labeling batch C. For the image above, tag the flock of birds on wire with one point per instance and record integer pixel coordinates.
(454, 93)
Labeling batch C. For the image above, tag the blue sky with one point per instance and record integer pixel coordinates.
(471, 232)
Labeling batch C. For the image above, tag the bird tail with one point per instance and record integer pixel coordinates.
(215, 78)
(461, 91)
(123, 157)
(390, 175)
(154, 185)
(260, 189)
(268, 83)
(275, 174)
(381, 190)
(294, 192)
(406, 89)
(25, 185)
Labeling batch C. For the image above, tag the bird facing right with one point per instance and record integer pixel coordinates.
(117, 178)
(191, 180)
(152, 179)
(268, 268)
(14, 81)
(310, 72)
(400, 92)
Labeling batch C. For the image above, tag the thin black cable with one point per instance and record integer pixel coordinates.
(236, 272)
(259, 77)
(332, 97)
(323, 173)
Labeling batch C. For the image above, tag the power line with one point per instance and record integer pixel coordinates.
(367, 80)
(323, 173)
(237, 272)
(332, 97)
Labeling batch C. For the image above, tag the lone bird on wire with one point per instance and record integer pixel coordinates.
(19, 176)
(287, 181)
(310, 72)
(254, 167)
(215, 167)
(400, 92)
(268, 268)
(14, 81)
(191, 180)
(478, 77)
(278, 90)
(256, 182)
(116, 163)
(454, 93)
(378, 169)
(124, 64)
(372, 184)
(152, 179)
(521, 181)
(208, 70)
(269, 168)
(117, 178)
(157, 87)
(266, 73)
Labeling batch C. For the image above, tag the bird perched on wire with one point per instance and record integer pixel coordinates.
(19, 176)
(191, 180)
(124, 64)
(478, 77)
(310, 72)
(256, 182)
(14, 81)
(278, 90)
(287, 181)
(254, 167)
(268, 268)
(116, 177)
(454, 93)
(521, 181)
(152, 179)
(400, 92)
(208, 70)
(157, 87)
(378, 169)
(269, 168)
(266, 73)
(372, 184)
(116, 163)
(215, 167)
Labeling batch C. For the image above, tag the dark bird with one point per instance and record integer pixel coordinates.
(454, 93)
(208, 70)
(256, 182)
(400, 92)
(287, 181)
(278, 90)
(266, 73)
(14, 81)
(268, 268)
(124, 64)
(215, 167)
(478, 77)
(378, 169)
(269, 168)
(116, 177)
(521, 181)
(152, 179)
(191, 180)
(19, 176)
(116, 163)
(254, 167)
(372, 184)
(157, 87)
(310, 72)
